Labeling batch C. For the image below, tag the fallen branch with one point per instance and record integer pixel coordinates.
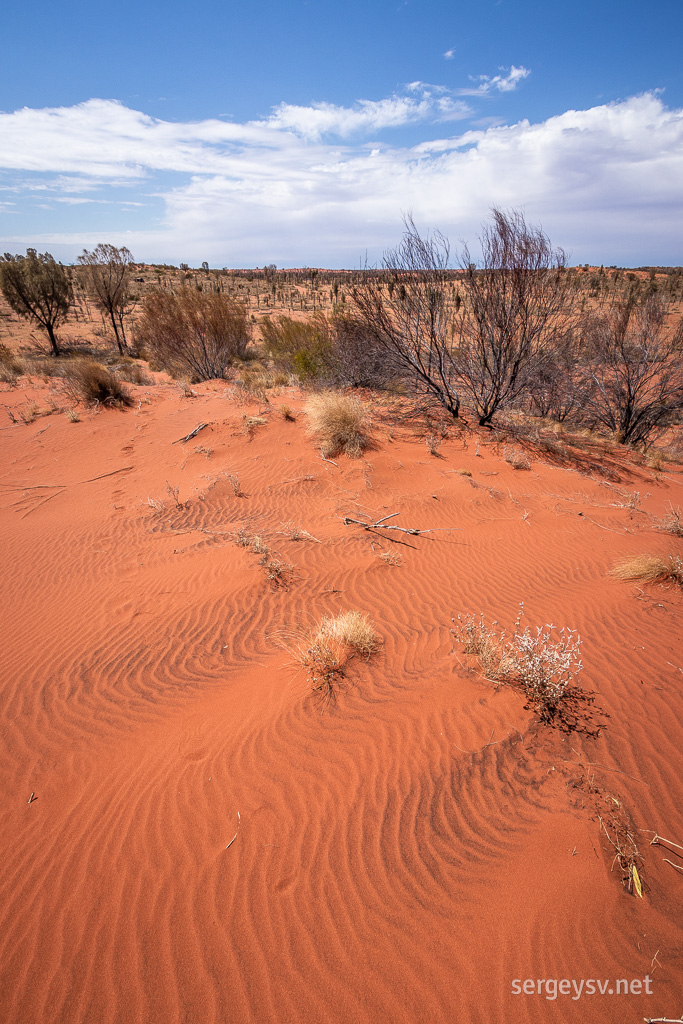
(663, 1020)
(678, 868)
(380, 525)
(660, 839)
(193, 433)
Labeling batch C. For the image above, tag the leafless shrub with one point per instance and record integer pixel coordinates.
(635, 375)
(192, 332)
(278, 573)
(433, 443)
(671, 521)
(406, 318)
(339, 423)
(519, 307)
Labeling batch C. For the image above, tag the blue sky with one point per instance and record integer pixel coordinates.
(299, 133)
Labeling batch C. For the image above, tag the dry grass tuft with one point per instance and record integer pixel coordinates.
(649, 569)
(287, 414)
(328, 650)
(93, 384)
(391, 558)
(515, 458)
(339, 422)
(72, 415)
(294, 532)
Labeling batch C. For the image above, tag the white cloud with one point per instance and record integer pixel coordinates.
(607, 183)
(429, 103)
(449, 54)
(497, 83)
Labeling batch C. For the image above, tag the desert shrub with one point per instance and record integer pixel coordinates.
(671, 522)
(193, 333)
(543, 663)
(339, 423)
(93, 384)
(131, 372)
(649, 569)
(297, 346)
(515, 458)
(327, 651)
(635, 376)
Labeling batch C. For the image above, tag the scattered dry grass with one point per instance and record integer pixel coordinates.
(649, 569)
(72, 415)
(339, 423)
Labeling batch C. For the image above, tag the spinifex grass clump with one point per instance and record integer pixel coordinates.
(326, 652)
(544, 663)
(339, 423)
(650, 569)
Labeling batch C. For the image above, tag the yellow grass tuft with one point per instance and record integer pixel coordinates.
(326, 652)
(339, 423)
(649, 569)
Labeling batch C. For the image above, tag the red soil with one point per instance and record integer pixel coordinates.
(402, 857)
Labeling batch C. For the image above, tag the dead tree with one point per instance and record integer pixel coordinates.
(405, 313)
(519, 306)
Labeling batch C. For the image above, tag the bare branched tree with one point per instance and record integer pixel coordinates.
(38, 289)
(519, 306)
(405, 313)
(108, 278)
(635, 375)
(195, 333)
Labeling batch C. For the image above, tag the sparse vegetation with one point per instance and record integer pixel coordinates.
(339, 423)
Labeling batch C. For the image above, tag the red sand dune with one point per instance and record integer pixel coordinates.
(402, 857)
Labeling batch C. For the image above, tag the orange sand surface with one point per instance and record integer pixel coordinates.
(401, 857)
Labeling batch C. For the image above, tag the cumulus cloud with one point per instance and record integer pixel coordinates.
(605, 182)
